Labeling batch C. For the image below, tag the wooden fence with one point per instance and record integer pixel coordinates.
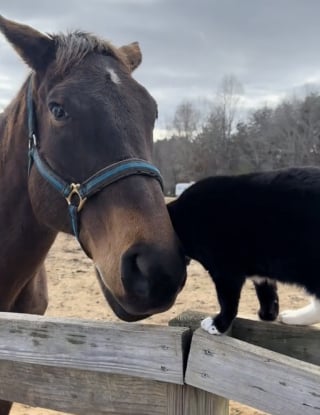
(86, 367)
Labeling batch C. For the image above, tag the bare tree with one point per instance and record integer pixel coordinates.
(186, 120)
(214, 141)
(229, 97)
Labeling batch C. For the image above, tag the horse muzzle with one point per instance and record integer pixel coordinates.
(149, 280)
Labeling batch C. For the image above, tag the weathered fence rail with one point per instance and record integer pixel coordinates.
(91, 367)
(253, 375)
(99, 368)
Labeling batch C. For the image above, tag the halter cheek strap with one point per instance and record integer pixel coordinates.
(76, 194)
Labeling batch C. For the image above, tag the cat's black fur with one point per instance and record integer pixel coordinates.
(260, 224)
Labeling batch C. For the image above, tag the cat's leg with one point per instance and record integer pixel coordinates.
(266, 290)
(228, 292)
(304, 316)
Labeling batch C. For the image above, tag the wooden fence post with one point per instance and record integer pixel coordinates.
(268, 366)
(197, 401)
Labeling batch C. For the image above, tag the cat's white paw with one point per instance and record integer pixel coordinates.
(288, 317)
(207, 324)
(302, 316)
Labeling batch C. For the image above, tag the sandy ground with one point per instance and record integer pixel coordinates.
(74, 292)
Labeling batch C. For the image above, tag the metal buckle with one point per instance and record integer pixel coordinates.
(75, 191)
(32, 141)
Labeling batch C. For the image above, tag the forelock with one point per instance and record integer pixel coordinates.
(73, 47)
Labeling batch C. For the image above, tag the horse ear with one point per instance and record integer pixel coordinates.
(35, 48)
(132, 54)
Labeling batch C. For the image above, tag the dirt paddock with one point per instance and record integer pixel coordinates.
(74, 292)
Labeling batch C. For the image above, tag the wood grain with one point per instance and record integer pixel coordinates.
(147, 351)
(253, 375)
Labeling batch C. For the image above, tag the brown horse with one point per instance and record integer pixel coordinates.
(75, 153)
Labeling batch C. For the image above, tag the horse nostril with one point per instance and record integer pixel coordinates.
(135, 273)
(152, 274)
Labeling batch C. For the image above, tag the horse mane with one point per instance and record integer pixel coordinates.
(73, 47)
(10, 117)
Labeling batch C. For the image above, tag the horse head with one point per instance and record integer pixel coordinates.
(86, 113)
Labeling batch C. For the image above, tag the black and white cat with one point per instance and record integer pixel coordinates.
(259, 224)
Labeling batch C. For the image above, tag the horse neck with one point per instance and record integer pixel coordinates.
(19, 229)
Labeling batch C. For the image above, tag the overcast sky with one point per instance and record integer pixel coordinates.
(271, 46)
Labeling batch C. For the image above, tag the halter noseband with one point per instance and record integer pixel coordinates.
(76, 194)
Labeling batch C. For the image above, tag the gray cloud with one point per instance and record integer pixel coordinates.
(188, 45)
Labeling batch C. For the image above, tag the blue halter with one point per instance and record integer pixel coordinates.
(76, 194)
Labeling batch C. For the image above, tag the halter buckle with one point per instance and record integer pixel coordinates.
(32, 141)
(75, 187)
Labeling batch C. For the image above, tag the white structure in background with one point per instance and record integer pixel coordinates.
(181, 187)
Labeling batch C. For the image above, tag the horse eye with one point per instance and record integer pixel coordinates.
(57, 110)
